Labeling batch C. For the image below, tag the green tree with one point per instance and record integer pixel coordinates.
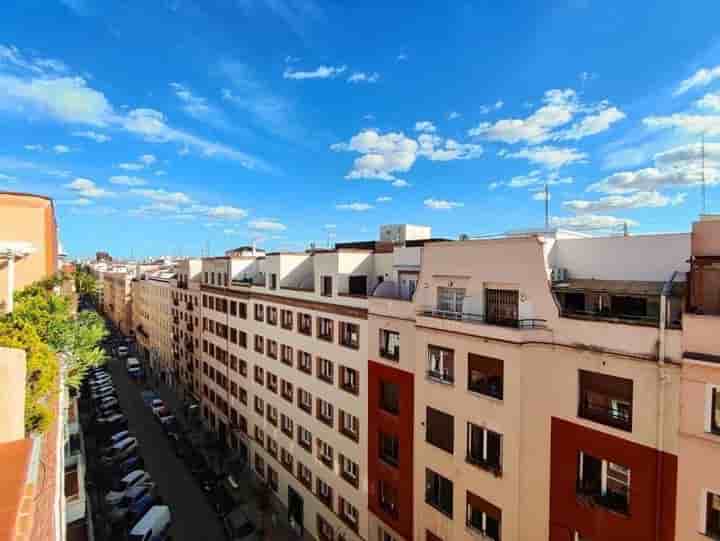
(85, 283)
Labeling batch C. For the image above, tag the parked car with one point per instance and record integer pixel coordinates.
(135, 503)
(163, 415)
(221, 501)
(117, 437)
(148, 397)
(107, 401)
(130, 464)
(122, 351)
(156, 404)
(99, 381)
(103, 392)
(111, 423)
(121, 487)
(207, 479)
(153, 525)
(120, 450)
(238, 524)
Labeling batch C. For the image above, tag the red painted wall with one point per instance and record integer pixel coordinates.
(652, 496)
(401, 425)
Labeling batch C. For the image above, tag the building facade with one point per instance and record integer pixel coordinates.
(185, 313)
(117, 299)
(152, 319)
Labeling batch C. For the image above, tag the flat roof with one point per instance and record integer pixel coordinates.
(627, 287)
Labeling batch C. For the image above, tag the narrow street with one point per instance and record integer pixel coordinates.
(192, 517)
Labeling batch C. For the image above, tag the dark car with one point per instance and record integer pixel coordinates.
(222, 503)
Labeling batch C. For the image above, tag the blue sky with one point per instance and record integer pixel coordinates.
(160, 127)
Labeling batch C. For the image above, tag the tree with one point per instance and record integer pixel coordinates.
(85, 283)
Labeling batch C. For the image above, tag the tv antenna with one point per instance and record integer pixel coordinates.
(547, 208)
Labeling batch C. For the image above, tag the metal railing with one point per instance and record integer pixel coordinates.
(468, 317)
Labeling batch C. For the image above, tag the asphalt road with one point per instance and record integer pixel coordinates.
(192, 517)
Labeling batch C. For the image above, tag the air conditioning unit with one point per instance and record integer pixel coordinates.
(559, 274)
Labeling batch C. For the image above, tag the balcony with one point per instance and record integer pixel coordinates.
(189, 346)
(482, 319)
(190, 326)
(189, 306)
(176, 321)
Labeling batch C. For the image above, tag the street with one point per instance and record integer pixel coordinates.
(192, 517)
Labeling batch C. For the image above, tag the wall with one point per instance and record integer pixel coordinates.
(12, 397)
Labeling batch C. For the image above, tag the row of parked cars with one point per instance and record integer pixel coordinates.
(132, 501)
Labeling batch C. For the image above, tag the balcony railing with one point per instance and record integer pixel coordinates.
(468, 317)
(444, 377)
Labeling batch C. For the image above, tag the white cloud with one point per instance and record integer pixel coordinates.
(709, 101)
(550, 156)
(435, 148)
(321, 72)
(634, 201)
(592, 124)
(95, 136)
(452, 115)
(400, 183)
(33, 148)
(226, 212)
(61, 149)
(87, 188)
(485, 109)
(540, 196)
(127, 181)
(425, 126)
(162, 196)
(362, 77)
(80, 202)
(197, 106)
(382, 155)
(356, 207)
(383, 199)
(266, 225)
(589, 222)
(147, 159)
(11, 57)
(442, 204)
(701, 77)
(694, 124)
(127, 166)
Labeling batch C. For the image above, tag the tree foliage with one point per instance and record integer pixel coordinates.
(54, 338)
(85, 283)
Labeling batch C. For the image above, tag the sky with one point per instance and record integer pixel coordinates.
(184, 127)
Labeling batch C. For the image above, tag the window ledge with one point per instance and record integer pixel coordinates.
(485, 396)
(433, 379)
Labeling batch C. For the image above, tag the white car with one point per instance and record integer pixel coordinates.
(122, 351)
(120, 450)
(130, 480)
(156, 404)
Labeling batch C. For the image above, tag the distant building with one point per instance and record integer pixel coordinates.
(103, 256)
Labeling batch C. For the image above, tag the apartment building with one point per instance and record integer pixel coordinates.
(117, 299)
(284, 363)
(152, 321)
(541, 380)
(28, 242)
(698, 510)
(185, 314)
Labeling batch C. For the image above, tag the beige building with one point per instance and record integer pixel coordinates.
(151, 318)
(28, 242)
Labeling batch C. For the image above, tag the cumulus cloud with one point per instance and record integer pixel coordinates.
(709, 101)
(541, 196)
(61, 149)
(691, 123)
(148, 159)
(383, 199)
(267, 224)
(534, 178)
(485, 109)
(634, 201)
(87, 188)
(589, 222)
(549, 156)
(452, 115)
(701, 77)
(362, 77)
(127, 181)
(442, 204)
(435, 148)
(163, 196)
(425, 126)
(592, 124)
(127, 166)
(95, 136)
(356, 207)
(226, 212)
(33, 148)
(400, 183)
(321, 72)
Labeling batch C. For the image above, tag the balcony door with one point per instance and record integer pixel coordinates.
(501, 306)
(450, 300)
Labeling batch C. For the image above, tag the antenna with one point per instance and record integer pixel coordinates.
(702, 160)
(547, 208)
(625, 229)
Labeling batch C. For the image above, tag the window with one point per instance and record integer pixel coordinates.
(348, 514)
(287, 425)
(259, 375)
(259, 344)
(388, 498)
(349, 470)
(450, 301)
(242, 367)
(439, 429)
(384, 536)
(485, 375)
(272, 349)
(714, 411)
(259, 405)
(389, 397)
(259, 312)
(305, 324)
(325, 453)
(326, 286)
(286, 459)
(325, 530)
(349, 380)
(272, 415)
(272, 478)
(242, 339)
(286, 319)
(286, 354)
(712, 516)
(389, 344)
(272, 447)
(242, 310)
(349, 426)
(243, 396)
(349, 335)
(272, 382)
(605, 483)
(324, 492)
(259, 466)
(304, 438)
(259, 435)
(273, 281)
(606, 399)
(233, 308)
(305, 401)
(484, 448)
(441, 364)
(304, 362)
(325, 329)
(439, 492)
(325, 370)
(286, 390)
(272, 315)
(389, 447)
(483, 517)
(502, 307)
(304, 475)
(325, 412)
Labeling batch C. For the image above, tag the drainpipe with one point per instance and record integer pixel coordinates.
(662, 378)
